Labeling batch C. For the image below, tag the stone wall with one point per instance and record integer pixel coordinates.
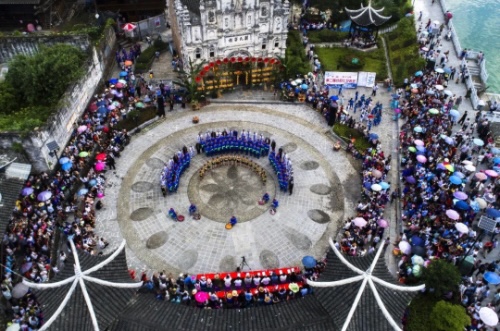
(61, 124)
(29, 45)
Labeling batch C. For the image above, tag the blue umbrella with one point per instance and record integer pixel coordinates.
(420, 148)
(418, 129)
(309, 262)
(101, 103)
(123, 74)
(492, 277)
(462, 205)
(66, 166)
(113, 81)
(417, 241)
(395, 96)
(455, 180)
(92, 182)
(64, 160)
(44, 196)
(384, 185)
(493, 213)
(496, 160)
(419, 73)
(447, 70)
(334, 97)
(102, 110)
(82, 191)
(367, 185)
(495, 150)
(304, 86)
(373, 136)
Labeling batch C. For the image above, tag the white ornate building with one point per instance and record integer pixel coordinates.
(217, 29)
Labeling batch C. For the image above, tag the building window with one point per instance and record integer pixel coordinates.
(198, 53)
(212, 52)
(276, 44)
(263, 44)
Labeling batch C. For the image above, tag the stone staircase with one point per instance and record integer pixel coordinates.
(474, 71)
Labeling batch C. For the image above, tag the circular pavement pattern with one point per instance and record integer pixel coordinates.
(302, 225)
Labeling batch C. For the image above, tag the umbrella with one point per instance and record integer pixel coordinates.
(334, 97)
(120, 85)
(102, 110)
(123, 74)
(478, 142)
(418, 129)
(373, 136)
(481, 203)
(128, 63)
(293, 84)
(83, 154)
(417, 241)
(449, 141)
(489, 197)
(92, 182)
(496, 160)
(113, 81)
(417, 260)
(376, 187)
(412, 149)
(453, 214)
(421, 159)
(439, 87)
(439, 71)
(461, 227)
(448, 93)
(481, 176)
(455, 180)
(93, 107)
(129, 27)
(418, 142)
(493, 213)
(376, 173)
(27, 191)
(418, 250)
(26, 266)
(382, 223)
(304, 86)
(470, 167)
(14, 327)
(44, 196)
(397, 110)
(359, 222)
(294, 287)
(459, 174)
(411, 179)
(454, 113)
(384, 185)
(101, 157)
(491, 173)
(419, 73)
(437, 101)
(429, 92)
(460, 195)
(433, 111)
(201, 296)
(64, 160)
(99, 166)
(414, 90)
(492, 277)
(462, 205)
(488, 316)
(449, 167)
(82, 191)
(19, 290)
(466, 162)
(139, 105)
(405, 247)
(417, 270)
(309, 262)
(298, 81)
(495, 151)
(82, 128)
(67, 166)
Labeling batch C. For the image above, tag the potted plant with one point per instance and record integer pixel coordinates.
(196, 119)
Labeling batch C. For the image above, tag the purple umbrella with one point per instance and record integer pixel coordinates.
(411, 180)
(460, 195)
(44, 196)
(27, 191)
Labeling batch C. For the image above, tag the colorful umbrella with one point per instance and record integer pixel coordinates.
(309, 262)
(491, 173)
(359, 222)
(83, 154)
(405, 247)
(449, 167)
(460, 195)
(421, 159)
(101, 157)
(129, 27)
(27, 191)
(82, 128)
(418, 142)
(461, 227)
(382, 223)
(201, 296)
(44, 196)
(453, 214)
(99, 166)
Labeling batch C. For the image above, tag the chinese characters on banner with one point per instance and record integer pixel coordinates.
(366, 78)
(345, 79)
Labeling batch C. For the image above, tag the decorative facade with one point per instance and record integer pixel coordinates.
(217, 29)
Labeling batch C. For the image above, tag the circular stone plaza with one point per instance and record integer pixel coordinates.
(325, 185)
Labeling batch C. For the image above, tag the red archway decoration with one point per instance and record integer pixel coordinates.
(240, 59)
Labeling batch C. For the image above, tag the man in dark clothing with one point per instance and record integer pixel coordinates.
(462, 119)
(110, 161)
(290, 185)
(161, 106)
(171, 101)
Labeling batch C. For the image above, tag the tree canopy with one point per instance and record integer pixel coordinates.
(446, 316)
(441, 277)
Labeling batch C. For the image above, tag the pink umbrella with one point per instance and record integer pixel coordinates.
(491, 173)
(382, 223)
(453, 214)
(481, 176)
(129, 27)
(418, 142)
(405, 247)
(376, 173)
(30, 27)
(119, 85)
(359, 222)
(397, 110)
(201, 297)
(82, 128)
(99, 166)
(421, 159)
(460, 195)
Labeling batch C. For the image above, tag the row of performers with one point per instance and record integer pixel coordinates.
(231, 144)
(282, 166)
(173, 170)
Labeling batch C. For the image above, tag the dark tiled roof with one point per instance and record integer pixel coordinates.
(10, 188)
(19, 2)
(192, 5)
(366, 16)
(108, 302)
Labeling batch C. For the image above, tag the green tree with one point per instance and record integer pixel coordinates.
(43, 78)
(189, 79)
(8, 102)
(441, 277)
(446, 316)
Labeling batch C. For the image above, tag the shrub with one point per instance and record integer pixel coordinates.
(295, 59)
(143, 116)
(326, 36)
(446, 316)
(352, 61)
(343, 131)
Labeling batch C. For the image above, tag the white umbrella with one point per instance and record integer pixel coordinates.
(436, 22)
(461, 227)
(376, 187)
(405, 247)
(470, 167)
(359, 222)
(466, 162)
(481, 203)
(439, 87)
(417, 260)
(14, 327)
(19, 290)
(448, 93)
(478, 142)
(488, 316)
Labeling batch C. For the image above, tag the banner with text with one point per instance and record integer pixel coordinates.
(366, 78)
(344, 79)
